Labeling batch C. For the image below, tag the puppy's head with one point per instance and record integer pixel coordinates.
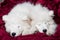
(13, 25)
(13, 29)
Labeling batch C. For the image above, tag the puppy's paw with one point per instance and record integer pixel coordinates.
(25, 32)
(28, 32)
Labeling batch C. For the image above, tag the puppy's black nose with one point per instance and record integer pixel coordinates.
(44, 30)
(13, 34)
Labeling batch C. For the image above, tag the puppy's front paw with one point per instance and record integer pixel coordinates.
(25, 32)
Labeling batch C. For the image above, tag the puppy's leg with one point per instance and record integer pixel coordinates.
(30, 30)
(25, 32)
(33, 30)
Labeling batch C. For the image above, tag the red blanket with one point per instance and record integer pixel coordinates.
(7, 5)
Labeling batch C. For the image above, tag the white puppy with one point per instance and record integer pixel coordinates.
(27, 18)
(16, 20)
(42, 20)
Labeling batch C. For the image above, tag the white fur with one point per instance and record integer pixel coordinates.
(17, 19)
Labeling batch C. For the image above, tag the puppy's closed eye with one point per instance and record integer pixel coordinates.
(18, 26)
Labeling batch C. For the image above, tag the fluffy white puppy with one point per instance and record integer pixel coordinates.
(42, 20)
(17, 18)
(27, 18)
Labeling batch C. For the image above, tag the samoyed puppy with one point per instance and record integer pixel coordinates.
(27, 18)
(42, 20)
(17, 20)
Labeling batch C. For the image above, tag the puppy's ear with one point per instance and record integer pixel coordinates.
(4, 18)
(51, 13)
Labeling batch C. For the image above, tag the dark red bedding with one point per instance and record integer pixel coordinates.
(7, 5)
